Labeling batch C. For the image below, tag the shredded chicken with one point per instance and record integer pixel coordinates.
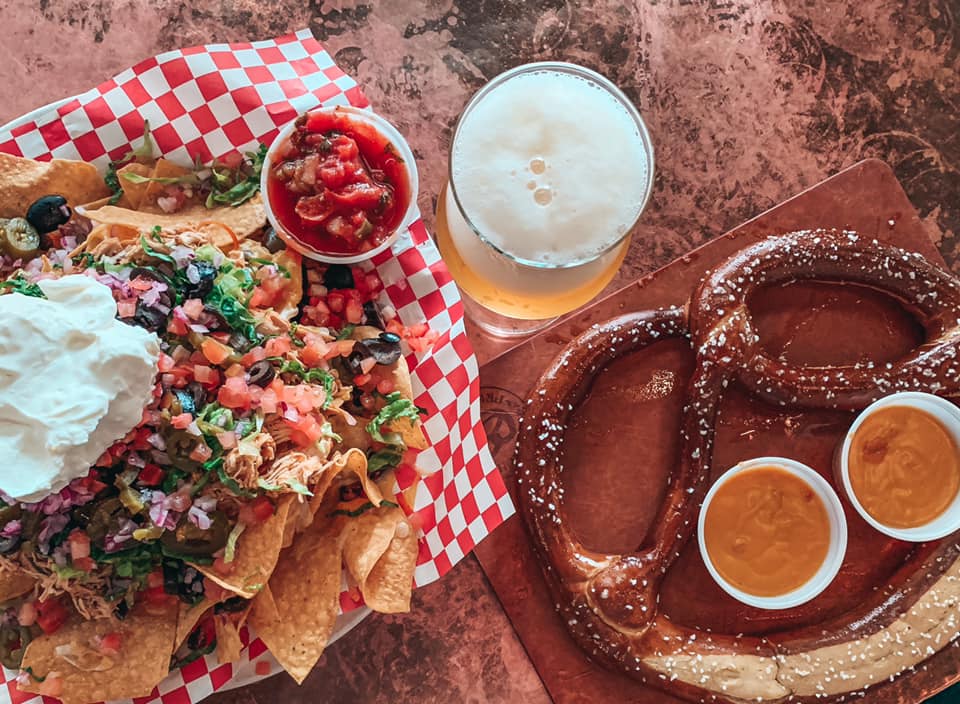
(243, 462)
(86, 597)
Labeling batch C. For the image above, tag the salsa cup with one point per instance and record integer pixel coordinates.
(835, 552)
(397, 142)
(949, 416)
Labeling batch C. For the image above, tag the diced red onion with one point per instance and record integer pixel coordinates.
(199, 518)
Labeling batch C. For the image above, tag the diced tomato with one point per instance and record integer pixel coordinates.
(361, 379)
(105, 460)
(234, 393)
(201, 453)
(156, 596)
(177, 326)
(84, 563)
(416, 330)
(278, 346)
(51, 614)
(79, 544)
(336, 300)
(165, 363)
(305, 431)
(269, 401)
(141, 440)
(215, 352)
(354, 312)
(193, 308)
(259, 298)
(207, 376)
(253, 356)
(110, 644)
(155, 579)
(261, 508)
(223, 568)
(314, 353)
(92, 482)
(423, 344)
(234, 370)
(127, 308)
(181, 421)
(395, 326)
(151, 474)
(227, 439)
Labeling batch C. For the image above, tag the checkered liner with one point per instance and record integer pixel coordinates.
(210, 101)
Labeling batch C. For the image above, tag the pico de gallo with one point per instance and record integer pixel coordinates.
(337, 184)
(251, 371)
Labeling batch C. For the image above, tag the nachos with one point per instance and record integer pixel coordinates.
(262, 465)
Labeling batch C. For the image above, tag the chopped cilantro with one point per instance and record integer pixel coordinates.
(18, 284)
(113, 183)
(233, 187)
(346, 332)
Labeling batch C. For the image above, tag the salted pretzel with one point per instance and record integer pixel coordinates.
(610, 602)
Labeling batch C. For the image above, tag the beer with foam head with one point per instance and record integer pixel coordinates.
(550, 168)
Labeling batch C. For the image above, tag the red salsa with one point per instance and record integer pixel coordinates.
(337, 184)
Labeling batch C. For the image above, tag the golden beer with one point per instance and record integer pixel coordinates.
(550, 168)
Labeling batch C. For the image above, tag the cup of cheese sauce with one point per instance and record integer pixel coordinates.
(899, 466)
(772, 533)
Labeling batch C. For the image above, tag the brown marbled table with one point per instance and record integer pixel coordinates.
(747, 102)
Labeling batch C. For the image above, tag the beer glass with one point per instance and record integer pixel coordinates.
(550, 168)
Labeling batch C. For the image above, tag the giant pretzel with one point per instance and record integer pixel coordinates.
(610, 602)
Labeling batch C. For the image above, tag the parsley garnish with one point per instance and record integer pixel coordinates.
(346, 332)
(113, 183)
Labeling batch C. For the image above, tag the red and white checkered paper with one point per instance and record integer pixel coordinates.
(210, 101)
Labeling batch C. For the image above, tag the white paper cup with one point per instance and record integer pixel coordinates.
(945, 412)
(398, 143)
(835, 552)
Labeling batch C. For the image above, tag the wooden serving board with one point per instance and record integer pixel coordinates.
(627, 436)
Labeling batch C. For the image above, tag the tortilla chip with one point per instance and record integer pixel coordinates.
(22, 181)
(133, 193)
(245, 219)
(380, 550)
(293, 286)
(14, 584)
(228, 640)
(188, 617)
(354, 462)
(298, 518)
(146, 645)
(154, 189)
(296, 619)
(390, 584)
(411, 432)
(264, 607)
(257, 550)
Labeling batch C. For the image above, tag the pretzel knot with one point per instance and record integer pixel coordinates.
(610, 602)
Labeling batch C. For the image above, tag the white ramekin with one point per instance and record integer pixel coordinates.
(397, 142)
(835, 552)
(945, 412)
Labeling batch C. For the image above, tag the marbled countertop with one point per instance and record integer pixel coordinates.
(747, 103)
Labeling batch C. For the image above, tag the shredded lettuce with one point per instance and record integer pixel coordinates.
(230, 550)
(397, 407)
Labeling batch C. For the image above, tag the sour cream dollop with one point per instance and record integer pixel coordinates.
(73, 380)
